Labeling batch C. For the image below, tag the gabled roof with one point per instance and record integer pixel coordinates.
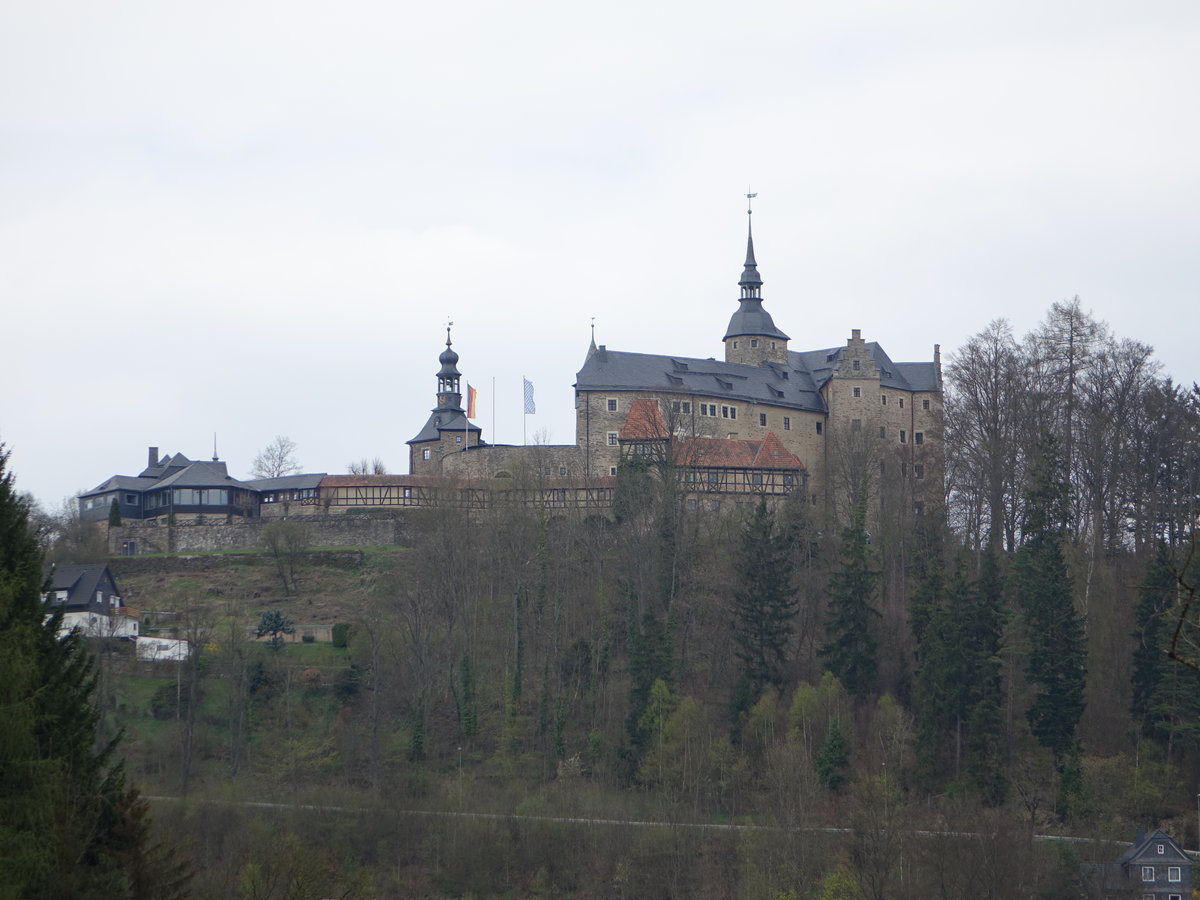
(1147, 847)
(644, 422)
(907, 376)
(80, 582)
(732, 453)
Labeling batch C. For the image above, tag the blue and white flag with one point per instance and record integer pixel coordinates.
(530, 408)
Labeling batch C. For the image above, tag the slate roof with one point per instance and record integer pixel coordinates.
(772, 383)
(905, 376)
(199, 474)
(1140, 848)
(750, 318)
(81, 583)
(444, 420)
(796, 385)
(286, 482)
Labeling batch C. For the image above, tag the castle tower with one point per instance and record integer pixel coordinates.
(448, 429)
(752, 338)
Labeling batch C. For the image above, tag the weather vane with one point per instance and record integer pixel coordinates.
(750, 196)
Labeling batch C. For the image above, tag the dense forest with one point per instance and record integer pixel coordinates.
(792, 701)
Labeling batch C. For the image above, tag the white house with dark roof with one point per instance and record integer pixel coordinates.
(91, 602)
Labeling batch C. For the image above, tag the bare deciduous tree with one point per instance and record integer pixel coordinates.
(277, 459)
(363, 467)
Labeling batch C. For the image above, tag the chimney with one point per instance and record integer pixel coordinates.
(152, 457)
(856, 334)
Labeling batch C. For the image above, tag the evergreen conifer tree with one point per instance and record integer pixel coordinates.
(1149, 654)
(849, 651)
(985, 718)
(1044, 589)
(764, 602)
(69, 827)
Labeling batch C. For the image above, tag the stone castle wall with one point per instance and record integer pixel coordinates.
(537, 460)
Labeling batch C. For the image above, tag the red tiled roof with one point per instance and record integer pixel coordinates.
(644, 422)
(769, 453)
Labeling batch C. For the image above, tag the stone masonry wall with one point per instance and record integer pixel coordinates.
(324, 531)
(556, 461)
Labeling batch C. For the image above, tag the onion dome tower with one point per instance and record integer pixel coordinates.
(448, 429)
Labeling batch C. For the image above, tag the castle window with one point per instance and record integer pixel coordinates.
(788, 480)
(612, 439)
(754, 342)
(458, 439)
(425, 453)
(918, 470)
(883, 399)
(756, 478)
(691, 503)
(735, 345)
(903, 436)
(728, 412)
(854, 365)
(919, 437)
(408, 492)
(762, 419)
(772, 345)
(902, 403)
(820, 427)
(925, 404)
(858, 392)
(612, 404)
(919, 510)
(882, 467)
(1174, 874)
(612, 470)
(882, 431)
(787, 423)
(1147, 873)
(712, 477)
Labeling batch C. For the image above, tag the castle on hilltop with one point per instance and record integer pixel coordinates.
(823, 416)
(766, 420)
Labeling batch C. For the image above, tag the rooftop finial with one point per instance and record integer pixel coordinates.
(749, 197)
(449, 324)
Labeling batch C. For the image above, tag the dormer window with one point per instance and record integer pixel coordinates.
(753, 342)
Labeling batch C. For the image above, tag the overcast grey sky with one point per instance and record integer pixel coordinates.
(255, 218)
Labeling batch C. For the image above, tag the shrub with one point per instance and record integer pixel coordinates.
(341, 634)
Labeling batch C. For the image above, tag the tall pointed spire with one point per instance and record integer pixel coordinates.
(752, 337)
(751, 282)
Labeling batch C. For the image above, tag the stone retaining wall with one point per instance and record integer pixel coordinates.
(245, 534)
